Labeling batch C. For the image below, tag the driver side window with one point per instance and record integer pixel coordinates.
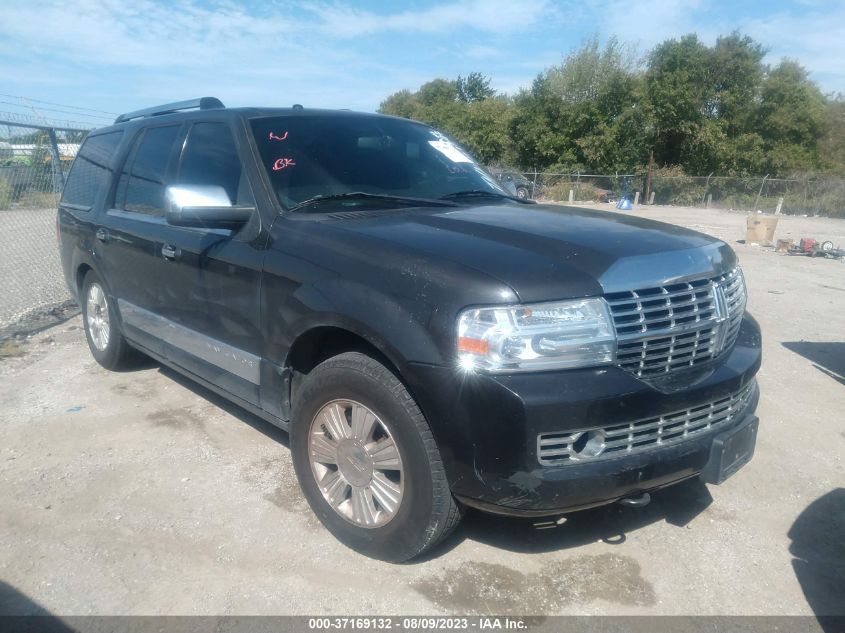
(211, 158)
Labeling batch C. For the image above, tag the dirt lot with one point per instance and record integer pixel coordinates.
(139, 493)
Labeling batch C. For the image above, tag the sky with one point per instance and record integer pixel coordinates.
(111, 56)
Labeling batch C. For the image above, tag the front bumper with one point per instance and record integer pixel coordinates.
(487, 427)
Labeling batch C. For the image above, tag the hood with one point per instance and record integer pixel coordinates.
(546, 252)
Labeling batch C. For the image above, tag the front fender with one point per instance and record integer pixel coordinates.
(397, 326)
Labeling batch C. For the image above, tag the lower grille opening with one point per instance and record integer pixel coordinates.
(596, 443)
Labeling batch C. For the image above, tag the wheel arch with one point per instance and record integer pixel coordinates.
(81, 271)
(81, 267)
(323, 341)
(81, 263)
(330, 337)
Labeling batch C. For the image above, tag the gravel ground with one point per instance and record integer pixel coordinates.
(140, 493)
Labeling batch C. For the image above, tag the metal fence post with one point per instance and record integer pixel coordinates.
(759, 193)
(55, 162)
(706, 188)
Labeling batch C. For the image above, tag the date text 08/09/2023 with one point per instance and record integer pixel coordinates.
(417, 623)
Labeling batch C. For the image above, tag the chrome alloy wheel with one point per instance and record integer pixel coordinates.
(356, 463)
(97, 316)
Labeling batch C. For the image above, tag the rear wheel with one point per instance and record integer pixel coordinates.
(522, 193)
(107, 344)
(367, 462)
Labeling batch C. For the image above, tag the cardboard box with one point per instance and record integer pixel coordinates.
(760, 229)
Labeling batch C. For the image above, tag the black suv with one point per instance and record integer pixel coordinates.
(429, 341)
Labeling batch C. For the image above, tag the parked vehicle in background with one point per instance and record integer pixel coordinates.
(429, 341)
(521, 187)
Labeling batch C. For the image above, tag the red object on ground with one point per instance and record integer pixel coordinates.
(807, 244)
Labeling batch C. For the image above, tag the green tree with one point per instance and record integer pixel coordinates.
(722, 110)
(437, 91)
(466, 109)
(484, 128)
(701, 108)
(832, 141)
(736, 73)
(676, 88)
(539, 129)
(583, 114)
(403, 103)
(593, 73)
(790, 118)
(475, 87)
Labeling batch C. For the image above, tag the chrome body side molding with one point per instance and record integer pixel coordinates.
(236, 361)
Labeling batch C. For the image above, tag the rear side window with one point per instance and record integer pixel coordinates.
(211, 158)
(141, 185)
(91, 170)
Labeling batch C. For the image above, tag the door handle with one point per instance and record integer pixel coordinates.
(102, 235)
(169, 252)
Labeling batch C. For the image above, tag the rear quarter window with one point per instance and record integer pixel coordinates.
(91, 169)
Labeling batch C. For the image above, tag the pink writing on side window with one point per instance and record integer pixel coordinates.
(273, 137)
(281, 163)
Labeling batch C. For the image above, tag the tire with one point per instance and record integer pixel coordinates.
(522, 193)
(405, 507)
(108, 347)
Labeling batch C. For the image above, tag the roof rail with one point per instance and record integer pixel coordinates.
(203, 103)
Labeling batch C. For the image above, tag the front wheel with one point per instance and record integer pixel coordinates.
(367, 462)
(522, 193)
(105, 340)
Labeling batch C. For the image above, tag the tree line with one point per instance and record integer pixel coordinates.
(701, 109)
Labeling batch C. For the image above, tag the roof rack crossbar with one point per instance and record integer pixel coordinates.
(203, 103)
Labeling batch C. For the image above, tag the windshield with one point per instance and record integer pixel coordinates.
(323, 156)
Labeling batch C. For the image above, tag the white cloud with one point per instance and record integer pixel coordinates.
(648, 22)
(816, 39)
(186, 33)
(511, 84)
(154, 51)
(487, 16)
(479, 51)
(142, 34)
(124, 55)
(148, 48)
(813, 32)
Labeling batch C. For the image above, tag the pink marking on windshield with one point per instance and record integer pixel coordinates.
(273, 137)
(282, 163)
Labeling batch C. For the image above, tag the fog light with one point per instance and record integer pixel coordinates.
(589, 444)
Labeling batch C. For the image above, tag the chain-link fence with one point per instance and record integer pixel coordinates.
(794, 196)
(34, 161)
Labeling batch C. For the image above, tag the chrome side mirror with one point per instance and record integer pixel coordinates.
(204, 206)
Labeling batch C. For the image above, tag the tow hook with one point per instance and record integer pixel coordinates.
(636, 502)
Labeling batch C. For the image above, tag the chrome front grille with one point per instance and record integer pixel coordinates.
(596, 443)
(678, 325)
(735, 298)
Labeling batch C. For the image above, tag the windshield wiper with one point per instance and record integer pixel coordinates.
(362, 195)
(481, 193)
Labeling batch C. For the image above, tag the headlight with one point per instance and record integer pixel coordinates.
(554, 335)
